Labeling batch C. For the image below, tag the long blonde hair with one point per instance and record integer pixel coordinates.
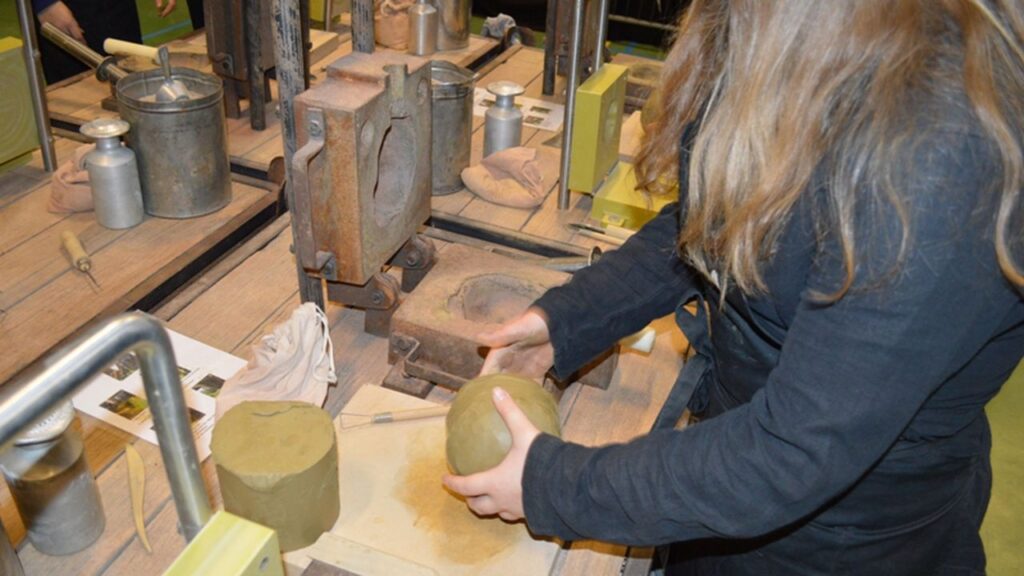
(776, 86)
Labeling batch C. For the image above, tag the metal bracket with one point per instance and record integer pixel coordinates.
(305, 244)
(415, 258)
(379, 297)
(409, 375)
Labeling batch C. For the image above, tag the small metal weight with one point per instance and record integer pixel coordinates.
(422, 29)
(52, 486)
(503, 127)
(113, 175)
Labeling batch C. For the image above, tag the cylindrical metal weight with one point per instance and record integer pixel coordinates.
(452, 23)
(52, 486)
(181, 146)
(113, 176)
(503, 125)
(422, 29)
(451, 124)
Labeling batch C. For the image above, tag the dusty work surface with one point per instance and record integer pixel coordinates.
(44, 300)
(78, 100)
(235, 311)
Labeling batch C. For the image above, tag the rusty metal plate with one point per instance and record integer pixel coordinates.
(469, 291)
(370, 187)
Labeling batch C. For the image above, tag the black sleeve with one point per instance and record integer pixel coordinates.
(852, 374)
(618, 295)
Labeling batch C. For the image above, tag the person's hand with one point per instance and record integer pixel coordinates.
(60, 17)
(165, 7)
(500, 489)
(522, 346)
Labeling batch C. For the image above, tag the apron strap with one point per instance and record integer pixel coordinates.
(692, 384)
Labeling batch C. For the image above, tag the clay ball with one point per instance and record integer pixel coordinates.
(477, 436)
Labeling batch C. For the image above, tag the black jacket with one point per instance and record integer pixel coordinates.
(840, 436)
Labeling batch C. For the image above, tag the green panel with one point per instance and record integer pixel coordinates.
(230, 546)
(1004, 521)
(618, 201)
(597, 125)
(18, 135)
(157, 30)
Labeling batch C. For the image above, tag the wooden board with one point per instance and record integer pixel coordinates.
(392, 500)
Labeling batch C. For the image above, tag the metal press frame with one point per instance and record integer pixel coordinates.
(36, 85)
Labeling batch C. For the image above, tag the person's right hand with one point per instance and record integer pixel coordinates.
(59, 16)
(522, 346)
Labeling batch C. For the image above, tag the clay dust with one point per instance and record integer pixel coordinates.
(455, 532)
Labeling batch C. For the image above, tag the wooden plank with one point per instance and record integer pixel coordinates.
(128, 269)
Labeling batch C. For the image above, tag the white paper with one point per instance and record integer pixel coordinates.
(116, 396)
(538, 114)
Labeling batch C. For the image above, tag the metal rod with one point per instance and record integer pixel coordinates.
(37, 90)
(253, 54)
(328, 14)
(570, 103)
(465, 227)
(550, 48)
(55, 376)
(291, 81)
(362, 26)
(602, 33)
(644, 23)
(105, 68)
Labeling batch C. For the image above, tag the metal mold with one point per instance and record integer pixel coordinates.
(433, 332)
(369, 188)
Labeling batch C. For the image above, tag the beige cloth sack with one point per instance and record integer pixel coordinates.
(294, 362)
(512, 177)
(69, 185)
(391, 23)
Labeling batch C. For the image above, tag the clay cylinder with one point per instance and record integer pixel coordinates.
(277, 463)
(477, 436)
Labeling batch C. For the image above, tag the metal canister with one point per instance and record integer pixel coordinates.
(181, 146)
(451, 103)
(52, 486)
(422, 29)
(113, 175)
(452, 23)
(503, 127)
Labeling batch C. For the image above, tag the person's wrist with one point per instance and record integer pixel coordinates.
(44, 7)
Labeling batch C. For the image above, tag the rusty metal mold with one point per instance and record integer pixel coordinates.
(370, 186)
(433, 332)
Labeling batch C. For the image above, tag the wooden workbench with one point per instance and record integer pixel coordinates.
(78, 100)
(254, 288)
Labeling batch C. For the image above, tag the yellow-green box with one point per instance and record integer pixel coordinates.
(597, 125)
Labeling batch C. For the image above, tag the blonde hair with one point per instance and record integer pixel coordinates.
(778, 86)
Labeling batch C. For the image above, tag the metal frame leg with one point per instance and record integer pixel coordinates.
(570, 103)
(34, 68)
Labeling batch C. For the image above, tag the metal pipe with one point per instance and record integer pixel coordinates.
(550, 48)
(291, 81)
(602, 33)
(362, 26)
(37, 91)
(644, 23)
(570, 103)
(105, 68)
(253, 55)
(328, 9)
(55, 376)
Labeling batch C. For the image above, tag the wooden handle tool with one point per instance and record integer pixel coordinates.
(123, 48)
(79, 258)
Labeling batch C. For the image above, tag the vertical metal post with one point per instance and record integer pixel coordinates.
(253, 54)
(602, 33)
(362, 26)
(550, 48)
(570, 102)
(328, 14)
(291, 81)
(34, 68)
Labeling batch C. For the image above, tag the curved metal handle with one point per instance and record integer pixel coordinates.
(305, 247)
(55, 376)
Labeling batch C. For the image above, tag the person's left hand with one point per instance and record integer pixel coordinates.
(500, 489)
(165, 7)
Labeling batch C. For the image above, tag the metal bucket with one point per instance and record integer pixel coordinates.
(451, 97)
(181, 146)
(452, 23)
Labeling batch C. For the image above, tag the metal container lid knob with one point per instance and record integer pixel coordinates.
(105, 128)
(505, 88)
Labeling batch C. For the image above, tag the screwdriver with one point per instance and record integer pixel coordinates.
(79, 258)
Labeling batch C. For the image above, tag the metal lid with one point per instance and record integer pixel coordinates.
(105, 128)
(48, 427)
(505, 88)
